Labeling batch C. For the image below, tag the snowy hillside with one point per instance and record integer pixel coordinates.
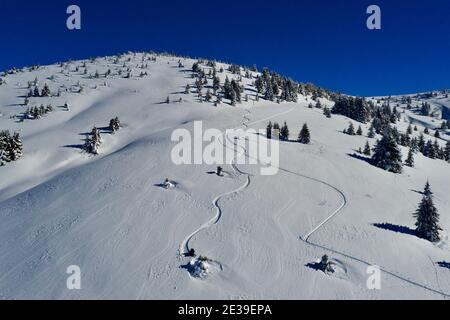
(110, 214)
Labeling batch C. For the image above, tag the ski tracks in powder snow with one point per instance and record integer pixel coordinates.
(184, 247)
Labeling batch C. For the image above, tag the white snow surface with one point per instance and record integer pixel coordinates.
(106, 214)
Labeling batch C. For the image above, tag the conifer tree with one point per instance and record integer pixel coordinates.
(46, 91)
(351, 129)
(447, 152)
(410, 160)
(304, 135)
(367, 150)
(427, 217)
(371, 133)
(359, 132)
(284, 132)
(387, 155)
(114, 124)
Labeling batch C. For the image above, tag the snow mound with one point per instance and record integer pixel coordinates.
(202, 267)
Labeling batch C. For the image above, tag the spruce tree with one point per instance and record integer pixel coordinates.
(427, 217)
(447, 152)
(367, 150)
(284, 132)
(359, 132)
(387, 155)
(410, 160)
(304, 135)
(371, 133)
(45, 91)
(351, 129)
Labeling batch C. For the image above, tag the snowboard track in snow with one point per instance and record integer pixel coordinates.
(306, 238)
(184, 247)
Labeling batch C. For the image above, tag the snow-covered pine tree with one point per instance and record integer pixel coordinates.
(437, 135)
(351, 129)
(327, 112)
(304, 135)
(4, 143)
(46, 91)
(359, 132)
(367, 151)
(409, 130)
(93, 141)
(427, 217)
(16, 147)
(371, 133)
(447, 152)
(36, 92)
(387, 154)
(114, 124)
(284, 132)
(429, 150)
(410, 160)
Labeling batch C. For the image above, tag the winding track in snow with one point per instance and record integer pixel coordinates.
(343, 204)
(184, 247)
(305, 238)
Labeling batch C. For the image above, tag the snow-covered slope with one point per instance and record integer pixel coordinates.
(106, 214)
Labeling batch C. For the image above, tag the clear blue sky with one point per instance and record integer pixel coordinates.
(325, 42)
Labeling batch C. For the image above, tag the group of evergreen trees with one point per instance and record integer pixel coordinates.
(269, 85)
(303, 137)
(351, 130)
(232, 91)
(37, 112)
(11, 147)
(45, 92)
(273, 87)
(94, 139)
(354, 108)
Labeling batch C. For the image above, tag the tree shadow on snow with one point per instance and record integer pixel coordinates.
(444, 264)
(396, 228)
(315, 266)
(75, 146)
(359, 157)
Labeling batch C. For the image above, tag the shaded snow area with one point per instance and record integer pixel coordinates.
(141, 227)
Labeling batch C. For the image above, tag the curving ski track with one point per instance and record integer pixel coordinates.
(305, 238)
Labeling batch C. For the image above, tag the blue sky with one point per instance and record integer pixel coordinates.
(322, 41)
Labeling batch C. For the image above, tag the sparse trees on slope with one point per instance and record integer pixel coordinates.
(427, 217)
